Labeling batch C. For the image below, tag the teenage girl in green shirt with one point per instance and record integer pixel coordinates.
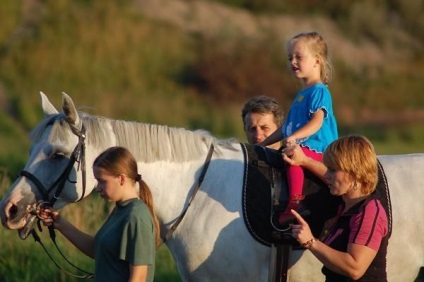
(124, 248)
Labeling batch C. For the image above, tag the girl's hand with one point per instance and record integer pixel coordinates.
(290, 141)
(49, 217)
(287, 145)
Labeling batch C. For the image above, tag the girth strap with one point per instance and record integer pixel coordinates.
(284, 247)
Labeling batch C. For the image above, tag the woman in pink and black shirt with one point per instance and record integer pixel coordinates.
(354, 246)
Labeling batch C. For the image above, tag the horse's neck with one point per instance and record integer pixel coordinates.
(169, 159)
(149, 142)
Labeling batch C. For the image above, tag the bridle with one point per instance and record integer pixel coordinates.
(77, 156)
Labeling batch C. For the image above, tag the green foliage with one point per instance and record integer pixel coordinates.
(117, 64)
(240, 71)
(14, 145)
(9, 13)
(362, 17)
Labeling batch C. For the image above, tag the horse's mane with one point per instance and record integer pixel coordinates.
(148, 142)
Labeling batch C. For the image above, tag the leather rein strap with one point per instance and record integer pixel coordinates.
(196, 189)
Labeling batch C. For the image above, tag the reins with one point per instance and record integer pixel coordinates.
(37, 238)
(196, 189)
(77, 156)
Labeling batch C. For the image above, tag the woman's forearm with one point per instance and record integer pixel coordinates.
(352, 264)
(295, 156)
(316, 167)
(84, 242)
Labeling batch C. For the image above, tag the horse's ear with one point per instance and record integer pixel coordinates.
(48, 108)
(69, 109)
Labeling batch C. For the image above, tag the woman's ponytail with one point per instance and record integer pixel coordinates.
(146, 195)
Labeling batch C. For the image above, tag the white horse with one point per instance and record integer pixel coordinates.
(211, 243)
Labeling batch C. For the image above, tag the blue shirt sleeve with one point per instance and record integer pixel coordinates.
(320, 99)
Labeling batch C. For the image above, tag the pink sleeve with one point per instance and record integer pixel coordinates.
(369, 226)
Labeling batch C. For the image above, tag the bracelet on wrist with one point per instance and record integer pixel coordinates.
(308, 244)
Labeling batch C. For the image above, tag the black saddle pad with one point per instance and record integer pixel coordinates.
(259, 180)
(263, 172)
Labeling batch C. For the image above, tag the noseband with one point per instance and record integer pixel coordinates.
(78, 155)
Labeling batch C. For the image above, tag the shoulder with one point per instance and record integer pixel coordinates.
(139, 211)
(371, 214)
(369, 225)
(318, 91)
(316, 87)
(374, 206)
(138, 206)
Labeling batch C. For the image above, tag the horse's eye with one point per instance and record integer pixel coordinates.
(57, 155)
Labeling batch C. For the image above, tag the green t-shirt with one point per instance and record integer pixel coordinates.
(126, 238)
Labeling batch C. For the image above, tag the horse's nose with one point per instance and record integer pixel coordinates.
(9, 214)
(6, 210)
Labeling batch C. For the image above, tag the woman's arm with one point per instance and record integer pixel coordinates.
(352, 263)
(84, 242)
(295, 156)
(138, 273)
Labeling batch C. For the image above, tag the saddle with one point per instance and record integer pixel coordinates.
(264, 173)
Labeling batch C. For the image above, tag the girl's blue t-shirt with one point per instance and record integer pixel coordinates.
(308, 101)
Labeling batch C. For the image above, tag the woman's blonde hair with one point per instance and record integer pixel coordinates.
(119, 160)
(355, 155)
(317, 46)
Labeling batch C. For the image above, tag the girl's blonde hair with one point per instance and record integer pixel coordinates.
(317, 46)
(355, 155)
(119, 160)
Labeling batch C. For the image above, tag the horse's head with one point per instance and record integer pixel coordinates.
(56, 163)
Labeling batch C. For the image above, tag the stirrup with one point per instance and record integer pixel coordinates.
(303, 211)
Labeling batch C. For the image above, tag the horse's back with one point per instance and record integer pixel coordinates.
(405, 254)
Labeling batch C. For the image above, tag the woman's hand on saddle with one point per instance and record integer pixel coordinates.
(301, 231)
(290, 141)
(287, 145)
(294, 155)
